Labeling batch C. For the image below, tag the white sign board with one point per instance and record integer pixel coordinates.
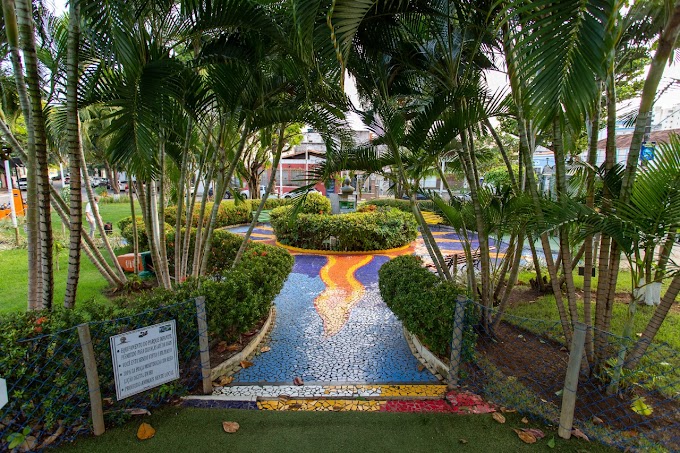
(3, 393)
(144, 358)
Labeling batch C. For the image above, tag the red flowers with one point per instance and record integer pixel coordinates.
(38, 323)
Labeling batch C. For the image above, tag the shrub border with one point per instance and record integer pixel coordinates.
(290, 248)
(229, 366)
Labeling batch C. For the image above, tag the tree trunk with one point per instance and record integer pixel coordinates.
(270, 186)
(37, 123)
(135, 233)
(219, 195)
(32, 217)
(655, 323)
(74, 145)
(180, 206)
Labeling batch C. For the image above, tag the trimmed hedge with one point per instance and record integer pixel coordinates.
(125, 225)
(359, 231)
(229, 213)
(425, 304)
(402, 205)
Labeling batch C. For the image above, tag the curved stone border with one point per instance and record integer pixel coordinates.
(290, 248)
(232, 364)
(427, 358)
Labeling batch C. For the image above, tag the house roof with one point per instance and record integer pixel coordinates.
(623, 141)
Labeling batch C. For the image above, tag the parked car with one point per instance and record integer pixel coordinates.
(23, 184)
(291, 194)
(95, 181)
(419, 196)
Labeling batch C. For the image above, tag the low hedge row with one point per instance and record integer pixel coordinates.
(402, 205)
(425, 304)
(48, 367)
(359, 231)
(229, 213)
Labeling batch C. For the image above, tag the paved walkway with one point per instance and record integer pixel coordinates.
(332, 325)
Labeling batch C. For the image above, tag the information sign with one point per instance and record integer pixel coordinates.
(144, 358)
(3, 393)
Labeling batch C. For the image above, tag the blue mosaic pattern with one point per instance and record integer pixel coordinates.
(370, 348)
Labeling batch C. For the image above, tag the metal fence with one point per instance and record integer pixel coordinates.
(523, 365)
(49, 394)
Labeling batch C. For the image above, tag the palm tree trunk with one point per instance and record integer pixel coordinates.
(163, 248)
(561, 174)
(180, 205)
(219, 194)
(512, 279)
(655, 323)
(32, 218)
(135, 234)
(37, 123)
(198, 242)
(270, 186)
(664, 255)
(73, 133)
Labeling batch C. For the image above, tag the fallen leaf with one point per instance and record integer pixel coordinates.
(525, 421)
(28, 444)
(234, 347)
(498, 417)
(221, 347)
(265, 349)
(630, 433)
(578, 433)
(421, 367)
(463, 441)
(298, 381)
(145, 431)
(295, 406)
(138, 411)
(551, 442)
(246, 364)
(525, 437)
(284, 397)
(50, 440)
(230, 427)
(537, 433)
(597, 420)
(640, 407)
(509, 411)
(107, 401)
(226, 380)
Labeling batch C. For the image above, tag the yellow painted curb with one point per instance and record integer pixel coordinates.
(290, 248)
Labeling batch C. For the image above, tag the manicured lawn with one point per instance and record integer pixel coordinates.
(200, 430)
(14, 285)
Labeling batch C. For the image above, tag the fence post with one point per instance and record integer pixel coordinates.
(571, 381)
(203, 345)
(456, 343)
(92, 379)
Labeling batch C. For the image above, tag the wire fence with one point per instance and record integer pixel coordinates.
(49, 398)
(523, 365)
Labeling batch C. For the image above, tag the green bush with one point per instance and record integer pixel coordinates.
(402, 205)
(425, 304)
(272, 203)
(229, 213)
(222, 250)
(125, 225)
(359, 231)
(315, 203)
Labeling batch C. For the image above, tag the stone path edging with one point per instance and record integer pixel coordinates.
(426, 357)
(232, 364)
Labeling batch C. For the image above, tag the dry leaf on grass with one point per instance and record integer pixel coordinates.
(526, 437)
(246, 364)
(265, 349)
(537, 433)
(145, 432)
(498, 417)
(463, 441)
(578, 433)
(230, 427)
(509, 411)
(138, 411)
(525, 421)
(597, 420)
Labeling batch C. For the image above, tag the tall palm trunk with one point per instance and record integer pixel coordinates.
(162, 247)
(37, 123)
(135, 233)
(180, 205)
(561, 175)
(32, 217)
(219, 194)
(270, 186)
(74, 145)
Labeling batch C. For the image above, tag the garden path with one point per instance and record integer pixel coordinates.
(332, 325)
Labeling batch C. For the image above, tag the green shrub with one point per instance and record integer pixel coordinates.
(315, 203)
(222, 251)
(125, 225)
(229, 213)
(359, 231)
(425, 304)
(272, 203)
(402, 205)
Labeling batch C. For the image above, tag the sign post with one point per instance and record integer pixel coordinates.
(4, 399)
(144, 358)
(647, 151)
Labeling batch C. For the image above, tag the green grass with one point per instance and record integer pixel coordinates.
(14, 287)
(200, 430)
